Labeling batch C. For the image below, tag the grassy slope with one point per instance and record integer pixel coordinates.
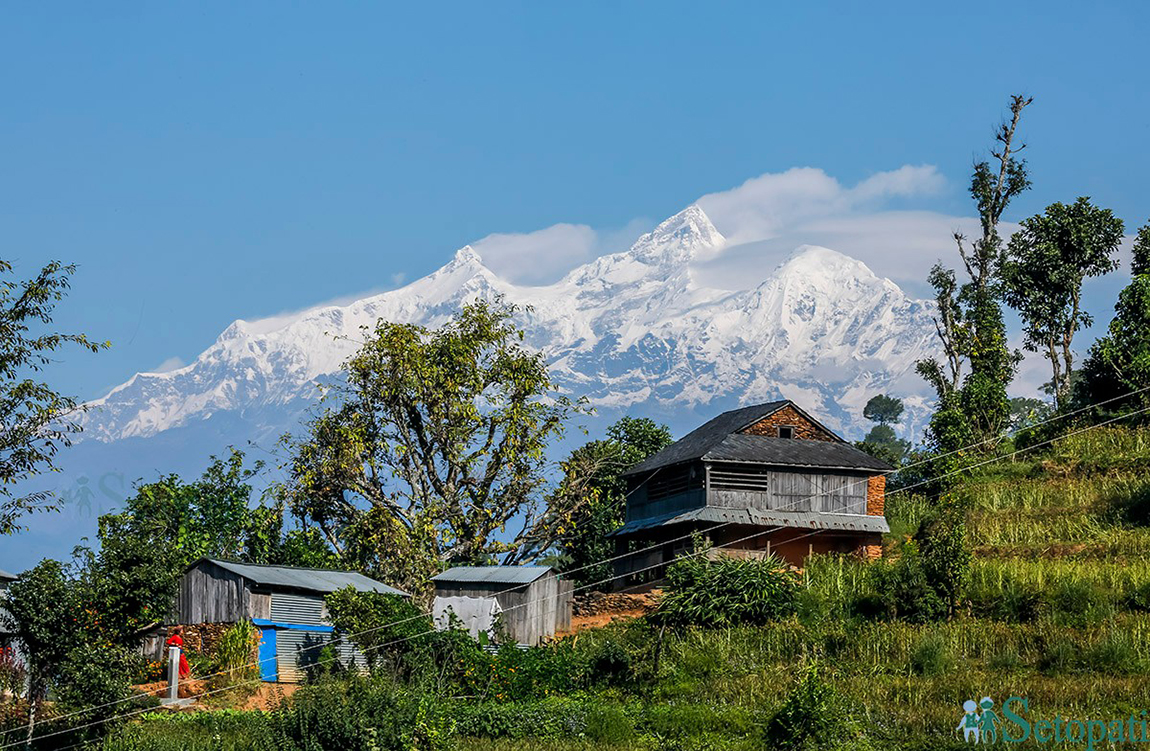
(1059, 613)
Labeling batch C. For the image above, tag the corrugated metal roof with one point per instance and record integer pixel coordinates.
(311, 579)
(492, 574)
(719, 440)
(763, 518)
(5, 575)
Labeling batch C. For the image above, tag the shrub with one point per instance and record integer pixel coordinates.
(931, 656)
(809, 716)
(235, 654)
(727, 591)
(903, 591)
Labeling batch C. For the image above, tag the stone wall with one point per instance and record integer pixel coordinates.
(789, 416)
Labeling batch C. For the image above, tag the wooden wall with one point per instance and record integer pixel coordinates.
(737, 487)
(210, 594)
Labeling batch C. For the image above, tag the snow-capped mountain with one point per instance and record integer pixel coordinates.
(633, 330)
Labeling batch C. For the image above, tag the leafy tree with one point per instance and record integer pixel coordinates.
(435, 444)
(1027, 411)
(36, 421)
(969, 322)
(595, 470)
(1119, 362)
(1048, 259)
(882, 442)
(41, 610)
(945, 552)
(883, 409)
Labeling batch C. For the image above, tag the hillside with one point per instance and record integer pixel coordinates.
(1057, 611)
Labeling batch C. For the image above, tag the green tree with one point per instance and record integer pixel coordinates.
(41, 610)
(1047, 261)
(1117, 369)
(969, 322)
(435, 444)
(595, 470)
(883, 409)
(36, 421)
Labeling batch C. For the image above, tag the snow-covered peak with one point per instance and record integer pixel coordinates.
(626, 329)
(678, 240)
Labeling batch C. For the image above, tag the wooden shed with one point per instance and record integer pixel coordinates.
(532, 602)
(285, 603)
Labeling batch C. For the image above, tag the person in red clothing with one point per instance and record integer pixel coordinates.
(177, 640)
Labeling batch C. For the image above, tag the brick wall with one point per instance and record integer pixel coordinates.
(876, 495)
(804, 428)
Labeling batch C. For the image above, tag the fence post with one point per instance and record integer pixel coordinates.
(173, 673)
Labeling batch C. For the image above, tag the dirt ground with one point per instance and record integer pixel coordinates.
(265, 696)
(598, 609)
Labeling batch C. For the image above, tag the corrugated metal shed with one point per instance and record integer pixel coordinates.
(492, 574)
(790, 519)
(308, 579)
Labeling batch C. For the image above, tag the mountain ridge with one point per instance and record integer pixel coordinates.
(625, 329)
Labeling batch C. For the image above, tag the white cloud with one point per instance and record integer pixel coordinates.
(538, 257)
(167, 366)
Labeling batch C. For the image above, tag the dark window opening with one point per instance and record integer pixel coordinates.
(786, 431)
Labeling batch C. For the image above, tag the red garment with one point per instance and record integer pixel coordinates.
(175, 640)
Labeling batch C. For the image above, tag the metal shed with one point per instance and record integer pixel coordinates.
(533, 602)
(286, 604)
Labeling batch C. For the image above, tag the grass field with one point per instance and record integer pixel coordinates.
(1057, 610)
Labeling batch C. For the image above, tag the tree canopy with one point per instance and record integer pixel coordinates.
(435, 444)
(1047, 261)
(1117, 370)
(36, 421)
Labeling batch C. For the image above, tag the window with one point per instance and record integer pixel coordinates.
(786, 431)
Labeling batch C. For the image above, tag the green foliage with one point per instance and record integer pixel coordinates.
(433, 446)
(382, 626)
(1047, 261)
(1119, 361)
(810, 717)
(235, 654)
(883, 409)
(970, 322)
(882, 443)
(931, 656)
(902, 590)
(945, 554)
(726, 591)
(36, 421)
(594, 471)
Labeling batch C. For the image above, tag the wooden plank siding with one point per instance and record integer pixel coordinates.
(751, 487)
(209, 594)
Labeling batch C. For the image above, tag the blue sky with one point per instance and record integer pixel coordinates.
(204, 162)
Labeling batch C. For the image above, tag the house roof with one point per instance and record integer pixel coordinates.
(762, 518)
(312, 579)
(719, 439)
(5, 575)
(492, 574)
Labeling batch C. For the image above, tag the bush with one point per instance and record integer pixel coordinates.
(235, 654)
(902, 591)
(809, 716)
(931, 656)
(727, 591)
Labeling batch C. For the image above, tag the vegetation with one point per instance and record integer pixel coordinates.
(36, 421)
(595, 469)
(436, 443)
